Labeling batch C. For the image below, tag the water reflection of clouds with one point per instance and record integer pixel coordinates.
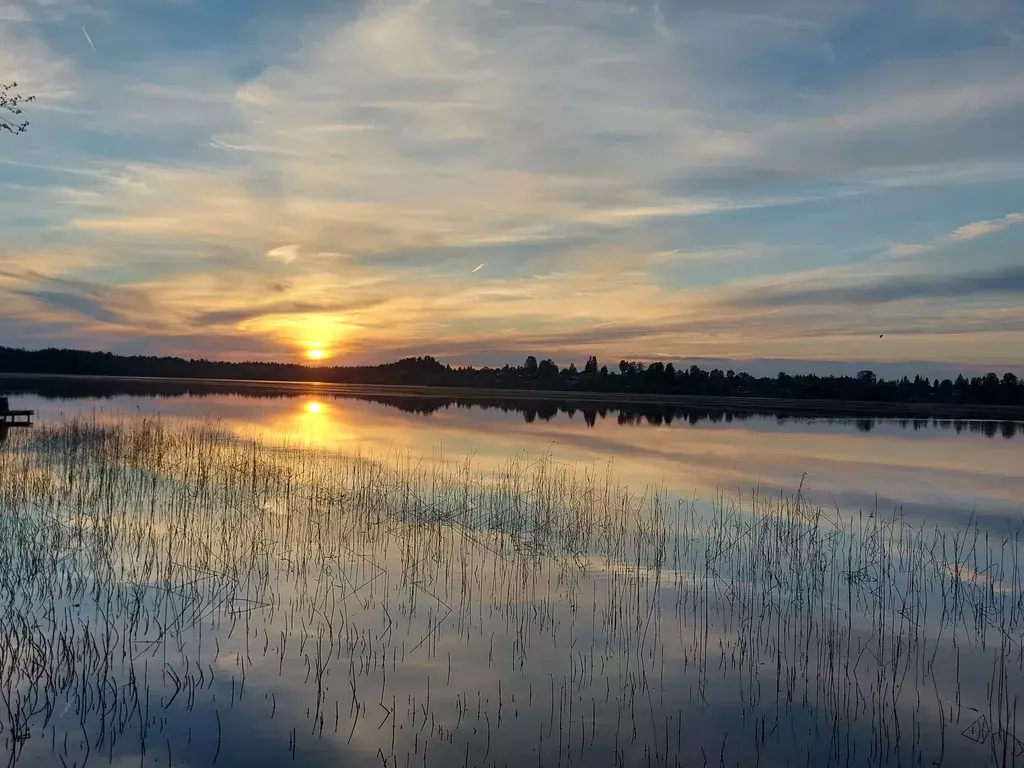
(371, 593)
(855, 466)
(934, 470)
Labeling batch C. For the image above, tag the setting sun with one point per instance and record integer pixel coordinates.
(316, 350)
(314, 407)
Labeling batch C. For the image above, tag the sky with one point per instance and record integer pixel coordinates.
(354, 182)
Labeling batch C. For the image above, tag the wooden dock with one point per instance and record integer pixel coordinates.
(9, 418)
(16, 418)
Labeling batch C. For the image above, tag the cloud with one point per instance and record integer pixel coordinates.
(86, 306)
(963, 234)
(674, 208)
(981, 228)
(910, 249)
(892, 288)
(286, 254)
(239, 315)
(732, 253)
(102, 303)
(441, 116)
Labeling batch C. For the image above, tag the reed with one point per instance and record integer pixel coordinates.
(171, 592)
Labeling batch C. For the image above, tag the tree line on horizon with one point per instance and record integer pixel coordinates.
(625, 377)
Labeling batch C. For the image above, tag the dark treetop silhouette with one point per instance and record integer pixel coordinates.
(628, 377)
(10, 103)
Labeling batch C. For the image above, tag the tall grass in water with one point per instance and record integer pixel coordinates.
(172, 594)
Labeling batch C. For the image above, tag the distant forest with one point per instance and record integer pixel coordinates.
(625, 377)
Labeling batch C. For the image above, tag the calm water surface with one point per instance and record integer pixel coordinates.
(938, 470)
(300, 577)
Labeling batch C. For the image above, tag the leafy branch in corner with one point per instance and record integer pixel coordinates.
(10, 102)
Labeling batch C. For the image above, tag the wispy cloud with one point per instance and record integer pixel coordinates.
(981, 228)
(286, 254)
(962, 234)
(910, 249)
(885, 289)
(101, 303)
(240, 315)
(679, 208)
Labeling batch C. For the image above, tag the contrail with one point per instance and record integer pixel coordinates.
(479, 267)
(89, 39)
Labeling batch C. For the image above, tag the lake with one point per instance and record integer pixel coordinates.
(249, 575)
(937, 470)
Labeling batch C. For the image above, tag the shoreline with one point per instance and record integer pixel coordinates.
(580, 399)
